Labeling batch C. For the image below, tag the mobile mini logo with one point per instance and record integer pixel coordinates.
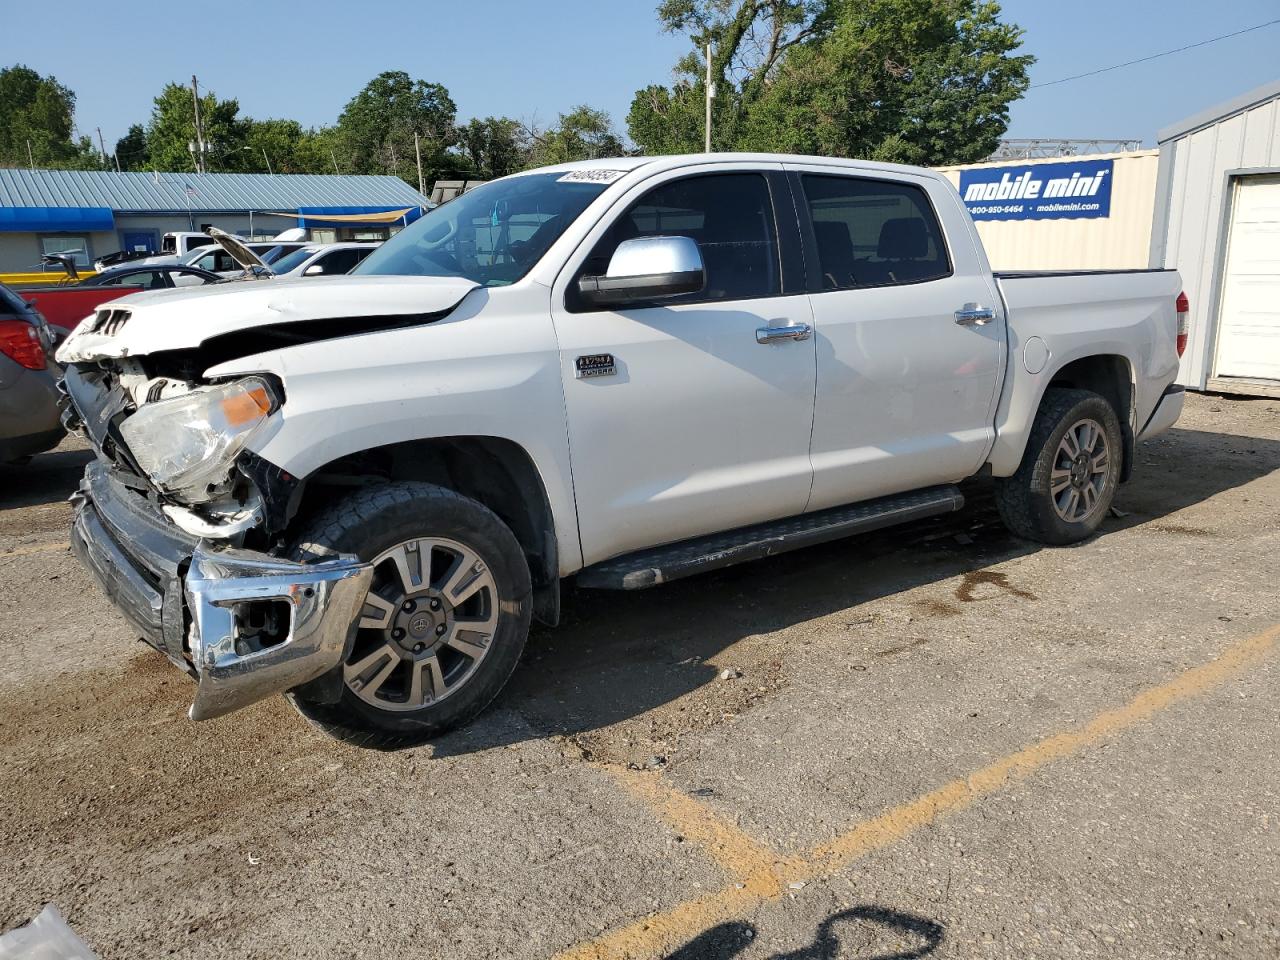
(1079, 189)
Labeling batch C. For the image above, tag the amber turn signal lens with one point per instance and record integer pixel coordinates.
(246, 407)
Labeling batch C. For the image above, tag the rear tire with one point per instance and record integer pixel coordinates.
(1069, 473)
(444, 622)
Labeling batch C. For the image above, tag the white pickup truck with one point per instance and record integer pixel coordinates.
(359, 490)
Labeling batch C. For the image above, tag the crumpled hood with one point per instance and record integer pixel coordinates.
(183, 318)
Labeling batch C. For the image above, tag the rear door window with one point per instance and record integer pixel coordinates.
(873, 233)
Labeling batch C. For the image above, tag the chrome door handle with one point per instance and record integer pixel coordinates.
(972, 315)
(792, 331)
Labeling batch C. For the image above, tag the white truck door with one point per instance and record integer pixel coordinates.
(680, 421)
(910, 333)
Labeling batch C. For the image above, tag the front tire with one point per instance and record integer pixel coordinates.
(443, 624)
(1069, 473)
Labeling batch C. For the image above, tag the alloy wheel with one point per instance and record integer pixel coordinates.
(1080, 472)
(429, 619)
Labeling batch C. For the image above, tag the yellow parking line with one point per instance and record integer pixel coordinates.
(28, 549)
(742, 858)
(653, 935)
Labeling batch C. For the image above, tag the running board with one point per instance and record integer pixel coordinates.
(648, 568)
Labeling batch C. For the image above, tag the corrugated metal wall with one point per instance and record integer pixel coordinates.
(1197, 210)
(1118, 242)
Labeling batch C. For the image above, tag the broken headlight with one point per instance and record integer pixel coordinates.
(187, 444)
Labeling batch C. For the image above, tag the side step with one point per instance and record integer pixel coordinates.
(648, 568)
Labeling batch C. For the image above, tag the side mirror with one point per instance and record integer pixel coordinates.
(646, 269)
(313, 270)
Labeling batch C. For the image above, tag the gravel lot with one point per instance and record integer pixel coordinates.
(932, 741)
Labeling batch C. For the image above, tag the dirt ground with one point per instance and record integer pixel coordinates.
(932, 741)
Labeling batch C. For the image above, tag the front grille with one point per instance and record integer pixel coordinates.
(110, 321)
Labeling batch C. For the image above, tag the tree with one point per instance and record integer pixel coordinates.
(131, 149)
(377, 126)
(36, 123)
(172, 128)
(916, 81)
(316, 149)
(583, 133)
(281, 146)
(493, 147)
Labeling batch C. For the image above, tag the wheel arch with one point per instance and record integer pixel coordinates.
(494, 471)
(1107, 371)
(1111, 376)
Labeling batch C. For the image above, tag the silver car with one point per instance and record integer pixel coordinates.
(29, 418)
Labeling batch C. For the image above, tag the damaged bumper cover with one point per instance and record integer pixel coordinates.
(203, 606)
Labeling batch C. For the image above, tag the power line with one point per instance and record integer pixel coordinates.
(1155, 56)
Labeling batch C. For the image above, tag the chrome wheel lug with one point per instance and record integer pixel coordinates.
(419, 647)
(435, 604)
(409, 606)
(440, 630)
(397, 634)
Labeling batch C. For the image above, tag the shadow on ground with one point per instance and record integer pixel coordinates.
(47, 478)
(618, 655)
(859, 933)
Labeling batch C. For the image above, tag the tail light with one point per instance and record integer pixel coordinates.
(20, 342)
(1183, 307)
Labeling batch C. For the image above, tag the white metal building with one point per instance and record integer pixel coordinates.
(1217, 220)
(1119, 239)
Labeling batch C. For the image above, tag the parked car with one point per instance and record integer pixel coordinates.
(159, 276)
(118, 258)
(29, 420)
(360, 492)
(221, 261)
(179, 244)
(322, 259)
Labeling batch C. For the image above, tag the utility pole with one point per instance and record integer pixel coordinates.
(334, 157)
(417, 149)
(199, 151)
(270, 172)
(711, 95)
(31, 157)
(103, 147)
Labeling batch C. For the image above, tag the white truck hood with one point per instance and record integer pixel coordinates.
(183, 318)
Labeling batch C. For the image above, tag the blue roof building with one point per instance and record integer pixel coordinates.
(92, 213)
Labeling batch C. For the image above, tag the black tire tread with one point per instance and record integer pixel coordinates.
(328, 526)
(1014, 499)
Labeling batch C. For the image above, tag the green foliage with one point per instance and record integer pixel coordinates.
(913, 81)
(492, 147)
(39, 111)
(172, 129)
(315, 151)
(583, 133)
(376, 128)
(669, 119)
(131, 149)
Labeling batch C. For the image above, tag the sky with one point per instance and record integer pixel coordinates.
(534, 60)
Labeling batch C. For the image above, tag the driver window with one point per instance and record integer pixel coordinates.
(728, 215)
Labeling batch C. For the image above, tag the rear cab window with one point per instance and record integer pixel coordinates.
(873, 233)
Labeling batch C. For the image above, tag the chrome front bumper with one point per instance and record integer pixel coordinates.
(202, 605)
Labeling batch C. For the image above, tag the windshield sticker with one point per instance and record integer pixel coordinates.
(592, 176)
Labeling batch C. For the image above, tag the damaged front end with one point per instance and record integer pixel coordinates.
(180, 524)
(242, 623)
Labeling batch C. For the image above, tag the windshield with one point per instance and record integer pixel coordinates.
(294, 260)
(492, 235)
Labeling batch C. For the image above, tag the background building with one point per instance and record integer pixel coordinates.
(1040, 236)
(1217, 220)
(93, 213)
